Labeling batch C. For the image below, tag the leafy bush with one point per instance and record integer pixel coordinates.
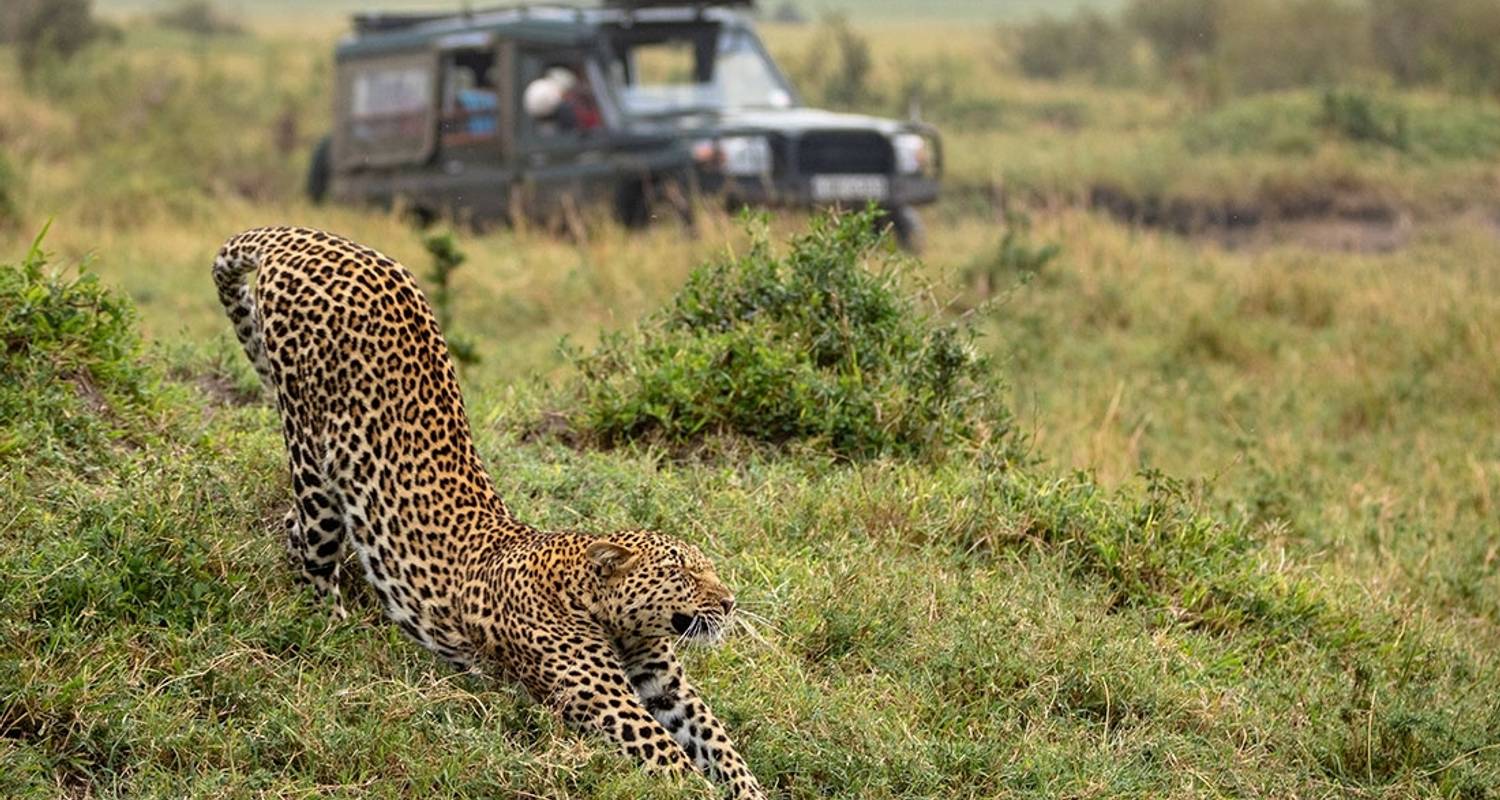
(68, 352)
(1177, 29)
(446, 258)
(199, 17)
(1087, 43)
(1297, 122)
(1358, 117)
(9, 190)
(1281, 123)
(820, 345)
(1279, 44)
(46, 30)
(1017, 258)
(1454, 42)
(834, 71)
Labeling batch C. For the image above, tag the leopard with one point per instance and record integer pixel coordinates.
(383, 463)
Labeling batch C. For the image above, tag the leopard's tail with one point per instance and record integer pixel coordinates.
(239, 257)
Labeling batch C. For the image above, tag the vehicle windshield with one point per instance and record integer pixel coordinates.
(678, 75)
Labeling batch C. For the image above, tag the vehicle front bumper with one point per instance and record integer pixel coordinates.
(796, 191)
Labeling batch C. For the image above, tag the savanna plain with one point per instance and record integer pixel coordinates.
(1188, 484)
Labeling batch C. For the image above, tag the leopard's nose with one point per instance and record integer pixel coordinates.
(728, 604)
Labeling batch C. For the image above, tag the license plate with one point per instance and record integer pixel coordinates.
(829, 188)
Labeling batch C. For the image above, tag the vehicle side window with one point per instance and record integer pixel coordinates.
(559, 100)
(388, 104)
(387, 110)
(470, 97)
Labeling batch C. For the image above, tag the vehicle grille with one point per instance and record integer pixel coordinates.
(844, 152)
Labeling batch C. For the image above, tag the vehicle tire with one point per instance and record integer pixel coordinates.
(632, 206)
(320, 170)
(641, 203)
(906, 225)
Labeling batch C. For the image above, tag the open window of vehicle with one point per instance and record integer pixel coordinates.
(389, 113)
(471, 98)
(671, 69)
(560, 98)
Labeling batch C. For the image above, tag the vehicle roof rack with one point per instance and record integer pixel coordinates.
(631, 5)
(374, 22)
(384, 21)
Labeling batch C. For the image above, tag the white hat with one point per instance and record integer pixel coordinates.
(542, 97)
(563, 77)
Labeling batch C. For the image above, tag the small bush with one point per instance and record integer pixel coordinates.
(51, 30)
(835, 70)
(1359, 117)
(1177, 30)
(68, 355)
(820, 345)
(1016, 259)
(446, 258)
(1280, 123)
(1443, 42)
(199, 17)
(1087, 43)
(10, 208)
(1279, 44)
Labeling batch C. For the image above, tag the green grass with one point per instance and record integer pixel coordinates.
(1251, 550)
(960, 630)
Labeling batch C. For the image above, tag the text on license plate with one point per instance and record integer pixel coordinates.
(827, 188)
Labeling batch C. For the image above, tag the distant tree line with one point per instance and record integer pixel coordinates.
(1223, 47)
(53, 31)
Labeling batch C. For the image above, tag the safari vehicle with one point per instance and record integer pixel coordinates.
(540, 111)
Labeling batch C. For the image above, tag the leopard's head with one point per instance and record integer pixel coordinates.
(654, 585)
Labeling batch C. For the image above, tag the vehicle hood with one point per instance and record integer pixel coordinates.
(779, 120)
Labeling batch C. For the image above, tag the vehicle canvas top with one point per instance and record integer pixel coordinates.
(379, 33)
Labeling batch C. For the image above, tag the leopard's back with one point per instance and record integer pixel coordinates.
(382, 456)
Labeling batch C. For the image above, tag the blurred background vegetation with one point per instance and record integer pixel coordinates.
(1198, 498)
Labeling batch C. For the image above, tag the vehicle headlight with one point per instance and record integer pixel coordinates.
(911, 153)
(745, 155)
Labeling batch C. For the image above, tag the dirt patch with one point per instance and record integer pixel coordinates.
(1343, 222)
(221, 389)
(551, 426)
(1177, 214)
(88, 392)
(1332, 234)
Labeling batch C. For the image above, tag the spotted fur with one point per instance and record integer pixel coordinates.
(382, 462)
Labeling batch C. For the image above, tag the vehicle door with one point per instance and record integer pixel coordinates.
(564, 124)
(386, 123)
(473, 167)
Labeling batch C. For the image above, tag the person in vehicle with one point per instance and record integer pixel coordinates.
(560, 99)
(472, 110)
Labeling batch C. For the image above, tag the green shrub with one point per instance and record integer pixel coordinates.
(1017, 258)
(834, 71)
(1278, 44)
(446, 258)
(199, 17)
(1283, 123)
(10, 208)
(1359, 117)
(68, 356)
(51, 30)
(1452, 42)
(1297, 122)
(1087, 43)
(820, 345)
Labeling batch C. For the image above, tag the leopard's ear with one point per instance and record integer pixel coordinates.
(610, 557)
